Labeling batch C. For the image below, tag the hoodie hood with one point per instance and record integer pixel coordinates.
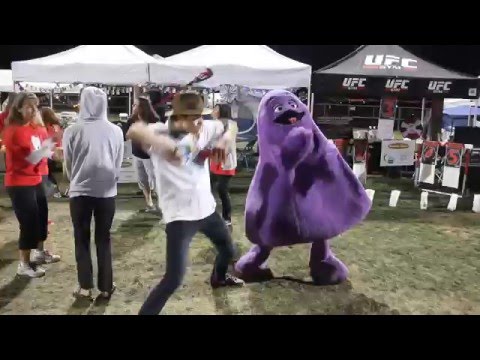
(93, 105)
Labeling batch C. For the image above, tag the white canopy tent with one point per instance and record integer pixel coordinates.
(6, 77)
(254, 66)
(105, 64)
(6, 81)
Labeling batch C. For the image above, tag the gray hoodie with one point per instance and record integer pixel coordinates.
(93, 149)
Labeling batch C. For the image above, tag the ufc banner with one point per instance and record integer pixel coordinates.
(358, 85)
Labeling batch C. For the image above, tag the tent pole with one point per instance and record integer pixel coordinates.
(129, 101)
(470, 117)
(423, 112)
(475, 115)
(310, 99)
(51, 99)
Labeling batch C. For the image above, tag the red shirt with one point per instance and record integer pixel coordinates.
(3, 117)
(20, 142)
(44, 162)
(216, 168)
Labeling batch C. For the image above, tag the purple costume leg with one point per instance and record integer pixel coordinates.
(325, 268)
(252, 267)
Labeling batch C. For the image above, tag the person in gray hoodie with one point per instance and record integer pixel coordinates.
(93, 155)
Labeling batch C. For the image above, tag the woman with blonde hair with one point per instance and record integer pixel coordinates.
(23, 181)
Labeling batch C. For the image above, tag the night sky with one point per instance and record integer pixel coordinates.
(463, 58)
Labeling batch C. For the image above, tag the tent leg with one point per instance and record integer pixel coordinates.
(475, 115)
(129, 102)
(423, 112)
(310, 99)
(51, 99)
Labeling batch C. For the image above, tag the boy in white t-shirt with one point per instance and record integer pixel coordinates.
(180, 151)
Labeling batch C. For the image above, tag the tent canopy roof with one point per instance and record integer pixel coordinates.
(6, 81)
(256, 66)
(370, 60)
(108, 64)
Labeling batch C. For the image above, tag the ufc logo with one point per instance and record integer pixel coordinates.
(439, 86)
(354, 83)
(396, 85)
(390, 62)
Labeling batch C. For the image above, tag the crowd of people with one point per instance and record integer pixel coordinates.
(173, 159)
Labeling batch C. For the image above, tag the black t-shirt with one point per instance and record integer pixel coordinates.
(137, 149)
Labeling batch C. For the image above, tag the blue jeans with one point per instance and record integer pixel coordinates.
(179, 236)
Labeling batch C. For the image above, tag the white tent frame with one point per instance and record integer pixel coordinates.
(254, 66)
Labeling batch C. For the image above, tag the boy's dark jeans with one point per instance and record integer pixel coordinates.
(179, 236)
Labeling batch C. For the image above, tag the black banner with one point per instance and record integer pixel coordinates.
(354, 86)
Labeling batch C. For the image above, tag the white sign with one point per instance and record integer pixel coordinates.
(385, 129)
(397, 153)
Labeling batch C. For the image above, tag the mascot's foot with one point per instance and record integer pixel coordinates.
(329, 272)
(255, 275)
(252, 266)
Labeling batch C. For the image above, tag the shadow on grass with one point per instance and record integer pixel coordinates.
(13, 289)
(79, 306)
(291, 296)
(132, 233)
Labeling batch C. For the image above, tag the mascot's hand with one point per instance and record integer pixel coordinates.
(296, 147)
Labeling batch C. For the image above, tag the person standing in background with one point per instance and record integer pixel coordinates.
(54, 130)
(23, 181)
(222, 173)
(144, 112)
(93, 154)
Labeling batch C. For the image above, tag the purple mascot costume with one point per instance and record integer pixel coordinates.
(302, 192)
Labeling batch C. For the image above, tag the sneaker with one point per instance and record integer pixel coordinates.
(229, 225)
(230, 280)
(50, 222)
(44, 257)
(30, 271)
(58, 195)
(107, 295)
(80, 294)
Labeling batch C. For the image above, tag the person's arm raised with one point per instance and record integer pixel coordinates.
(157, 143)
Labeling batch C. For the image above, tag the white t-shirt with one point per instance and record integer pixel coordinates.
(184, 192)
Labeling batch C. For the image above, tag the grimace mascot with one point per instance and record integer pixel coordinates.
(302, 192)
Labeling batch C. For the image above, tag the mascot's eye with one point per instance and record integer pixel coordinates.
(293, 105)
(278, 108)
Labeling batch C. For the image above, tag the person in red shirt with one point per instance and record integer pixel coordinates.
(53, 131)
(23, 181)
(222, 173)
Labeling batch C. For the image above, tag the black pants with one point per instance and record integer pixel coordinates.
(31, 209)
(51, 169)
(222, 183)
(179, 236)
(103, 210)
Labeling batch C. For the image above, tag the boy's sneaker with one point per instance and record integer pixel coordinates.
(58, 195)
(229, 225)
(229, 280)
(83, 294)
(44, 257)
(29, 271)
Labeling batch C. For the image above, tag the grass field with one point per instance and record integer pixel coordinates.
(402, 261)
